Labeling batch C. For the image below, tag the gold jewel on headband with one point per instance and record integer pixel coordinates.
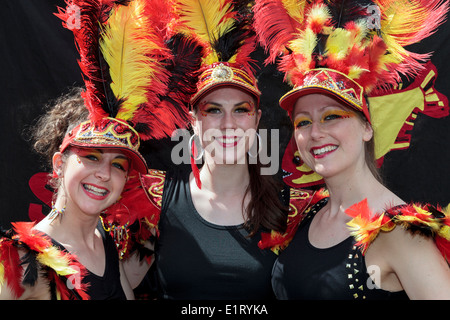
(221, 72)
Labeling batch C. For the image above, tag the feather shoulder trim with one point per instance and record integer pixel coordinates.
(62, 268)
(133, 219)
(300, 204)
(426, 220)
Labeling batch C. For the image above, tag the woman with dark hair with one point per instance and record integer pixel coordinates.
(212, 218)
(92, 140)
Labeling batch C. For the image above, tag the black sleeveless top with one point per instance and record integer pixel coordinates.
(107, 286)
(196, 259)
(303, 271)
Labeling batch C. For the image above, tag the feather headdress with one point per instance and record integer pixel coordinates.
(346, 48)
(224, 29)
(128, 60)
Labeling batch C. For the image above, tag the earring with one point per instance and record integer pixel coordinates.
(54, 213)
(259, 147)
(194, 148)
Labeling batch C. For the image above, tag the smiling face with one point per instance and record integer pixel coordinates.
(226, 121)
(93, 179)
(330, 137)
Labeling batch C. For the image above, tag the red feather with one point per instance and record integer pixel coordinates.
(32, 238)
(274, 26)
(360, 209)
(13, 270)
(86, 32)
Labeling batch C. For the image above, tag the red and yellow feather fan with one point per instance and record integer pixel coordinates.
(224, 29)
(361, 42)
(128, 66)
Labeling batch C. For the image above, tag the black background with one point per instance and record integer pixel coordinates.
(38, 63)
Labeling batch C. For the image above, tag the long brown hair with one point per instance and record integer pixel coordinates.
(265, 208)
(369, 147)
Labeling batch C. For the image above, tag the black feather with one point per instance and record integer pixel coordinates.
(228, 44)
(435, 212)
(31, 272)
(231, 41)
(183, 67)
(344, 11)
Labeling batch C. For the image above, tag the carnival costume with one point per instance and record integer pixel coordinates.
(353, 51)
(219, 262)
(128, 59)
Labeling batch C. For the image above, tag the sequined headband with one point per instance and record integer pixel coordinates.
(329, 81)
(107, 133)
(225, 74)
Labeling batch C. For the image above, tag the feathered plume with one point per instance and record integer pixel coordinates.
(134, 50)
(278, 22)
(208, 20)
(183, 67)
(406, 22)
(85, 19)
(127, 64)
(128, 47)
(222, 27)
(363, 39)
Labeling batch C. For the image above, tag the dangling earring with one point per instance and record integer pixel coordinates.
(193, 148)
(195, 170)
(54, 213)
(259, 147)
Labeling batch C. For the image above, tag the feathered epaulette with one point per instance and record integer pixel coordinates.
(39, 254)
(133, 219)
(426, 220)
(301, 202)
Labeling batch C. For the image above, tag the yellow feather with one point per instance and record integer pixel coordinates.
(355, 72)
(402, 17)
(319, 13)
(124, 47)
(305, 44)
(338, 43)
(208, 19)
(2, 275)
(295, 8)
(446, 211)
(53, 258)
(402, 21)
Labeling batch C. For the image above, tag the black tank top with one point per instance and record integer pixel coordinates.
(196, 259)
(107, 286)
(304, 272)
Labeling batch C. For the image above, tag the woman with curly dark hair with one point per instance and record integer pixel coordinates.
(88, 179)
(70, 254)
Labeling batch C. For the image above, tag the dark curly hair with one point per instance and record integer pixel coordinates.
(61, 115)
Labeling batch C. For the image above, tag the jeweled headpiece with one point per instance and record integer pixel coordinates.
(224, 29)
(135, 87)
